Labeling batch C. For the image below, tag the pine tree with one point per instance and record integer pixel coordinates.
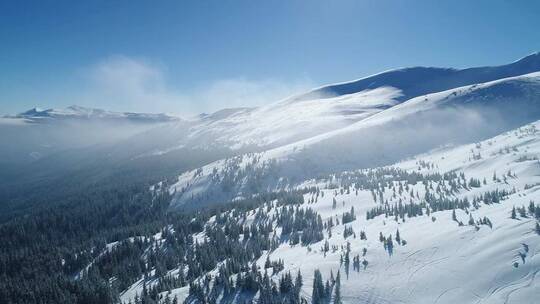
(167, 299)
(298, 285)
(531, 208)
(318, 293)
(365, 263)
(327, 290)
(389, 244)
(363, 235)
(337, 295)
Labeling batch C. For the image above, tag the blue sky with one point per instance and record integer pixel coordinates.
(187, 57)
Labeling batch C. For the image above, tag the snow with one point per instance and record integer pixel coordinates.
(442, 262)
(281, 122)
(108, 248)
(77, 112)
(384, 137)
(331, 108)
(418, 81)
(325, 109)
(480, 122)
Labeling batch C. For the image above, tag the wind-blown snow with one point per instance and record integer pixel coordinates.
(329, 108)
(460, 115)
(480, 122)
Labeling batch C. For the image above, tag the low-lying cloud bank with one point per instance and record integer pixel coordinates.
(125, 83)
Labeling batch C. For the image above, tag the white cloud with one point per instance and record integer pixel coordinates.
(126, 84)
(241, 92)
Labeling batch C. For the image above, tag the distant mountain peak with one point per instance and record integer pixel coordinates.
(32, 111)
(79, 112)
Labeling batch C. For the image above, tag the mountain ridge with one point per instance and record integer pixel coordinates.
(37, 114)
(349, 147)
(525, 65)
(389, 197)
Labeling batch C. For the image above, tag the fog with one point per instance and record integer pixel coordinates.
(25, 141)
(385, 138)
(299, 140)
(397, 139)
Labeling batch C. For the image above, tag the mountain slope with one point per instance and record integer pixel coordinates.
(277, 124)
(458, 239)
(419, 81)
(333, 107)
(460, 115)
(407, 199)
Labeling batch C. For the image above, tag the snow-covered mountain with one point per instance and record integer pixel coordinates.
(37, 133)
(460, 115)
(241, 130)
(416, 81)
(424, 180)
(416, 185)
(329, 108)
(78, 112)
(454, 225)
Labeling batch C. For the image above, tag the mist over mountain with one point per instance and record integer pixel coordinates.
(36, 133)
(369, 122)
(386, 135)
(397, 187)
